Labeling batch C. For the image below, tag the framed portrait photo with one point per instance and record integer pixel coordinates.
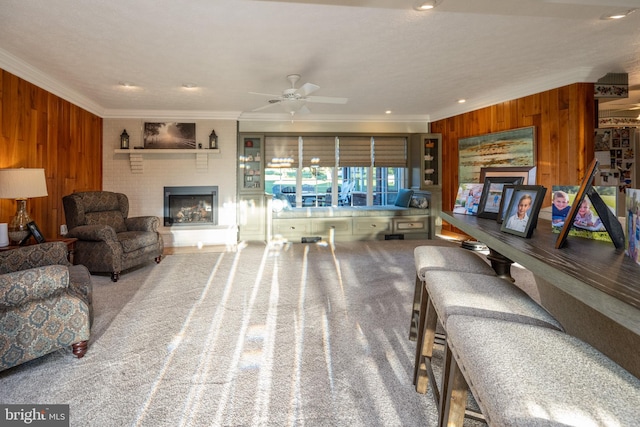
(507, 192)
(527, 173)
(521, 216)
(489, 205)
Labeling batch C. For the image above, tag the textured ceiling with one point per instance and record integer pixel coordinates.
(380, 54)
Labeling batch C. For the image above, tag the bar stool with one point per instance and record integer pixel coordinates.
(448, 293)
(441, 255)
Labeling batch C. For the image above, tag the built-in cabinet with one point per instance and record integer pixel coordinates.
(252, 201)
(426, 163)
(348, 225)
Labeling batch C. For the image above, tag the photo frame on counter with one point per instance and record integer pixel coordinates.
(489, 206)
(507, 192)
(609, 220)
(528, 173)
(522, 215)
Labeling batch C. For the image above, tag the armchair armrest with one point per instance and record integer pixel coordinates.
(142, 223)
(48, 253)
(35, 283)
(95, 233)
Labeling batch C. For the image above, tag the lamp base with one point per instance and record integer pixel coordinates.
(18, 229)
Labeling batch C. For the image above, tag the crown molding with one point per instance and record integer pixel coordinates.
(172, 114)
(21, 69)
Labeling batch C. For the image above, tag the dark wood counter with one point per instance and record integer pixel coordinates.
(592, 272)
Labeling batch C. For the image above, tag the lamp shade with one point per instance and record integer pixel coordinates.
(22, 183)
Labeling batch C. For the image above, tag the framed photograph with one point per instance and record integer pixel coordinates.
(489, 205)
(512, 148)
(169, 135)
(587, 223)
(527, 173)
(507, 192)
(608, 219)
(522, 215)
(468, 199)
(35, 231)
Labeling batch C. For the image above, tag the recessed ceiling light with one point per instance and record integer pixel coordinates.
(126, 84)
(425, 5)
(388, 112)
(461, 101)
(189, 85)
(617, 15)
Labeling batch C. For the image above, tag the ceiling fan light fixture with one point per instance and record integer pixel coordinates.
(292, 105)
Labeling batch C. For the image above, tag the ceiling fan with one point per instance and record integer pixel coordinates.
(294, 100)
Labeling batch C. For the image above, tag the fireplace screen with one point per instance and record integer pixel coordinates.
(190, 206)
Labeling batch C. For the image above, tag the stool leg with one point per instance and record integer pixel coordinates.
(454, 396)
(415, 310)
(424, 347)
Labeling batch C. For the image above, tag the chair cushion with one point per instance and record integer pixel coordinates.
(483, 296)
(523, 375)
(134, 240)
(404, 197)
(452, 258)
(111, 218)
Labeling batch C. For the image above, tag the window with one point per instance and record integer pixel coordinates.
(313, 171)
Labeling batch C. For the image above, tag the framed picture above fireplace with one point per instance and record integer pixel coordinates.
(169, 135)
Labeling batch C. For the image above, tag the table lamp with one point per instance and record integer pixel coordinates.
(21, 184)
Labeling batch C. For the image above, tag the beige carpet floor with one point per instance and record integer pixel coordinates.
(280, 335)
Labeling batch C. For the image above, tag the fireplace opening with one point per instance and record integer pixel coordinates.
(195, 205)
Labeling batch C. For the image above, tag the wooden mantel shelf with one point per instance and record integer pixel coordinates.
(136, 157)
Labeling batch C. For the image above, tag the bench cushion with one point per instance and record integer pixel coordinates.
(445, 257)
(453, 292)
(523, 375)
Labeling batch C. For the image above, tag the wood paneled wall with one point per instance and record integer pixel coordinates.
(564, 121)
(41, 130)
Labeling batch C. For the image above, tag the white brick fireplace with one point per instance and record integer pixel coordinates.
(145, 187)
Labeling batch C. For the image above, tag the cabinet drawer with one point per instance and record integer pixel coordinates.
(371, 226)
(292, 227)
(411, 225)
(338, 226)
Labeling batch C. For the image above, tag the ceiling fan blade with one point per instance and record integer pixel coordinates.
(266, 106)
(270, 95)
(307, 89)
(327, 99)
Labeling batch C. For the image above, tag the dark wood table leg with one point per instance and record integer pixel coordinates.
(501, 264)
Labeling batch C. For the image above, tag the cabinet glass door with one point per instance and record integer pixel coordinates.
(250, 162)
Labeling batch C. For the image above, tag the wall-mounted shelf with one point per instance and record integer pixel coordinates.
(136, 157)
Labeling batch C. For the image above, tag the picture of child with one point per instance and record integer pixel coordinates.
(584, 217)
(519, 220)
(560, 208)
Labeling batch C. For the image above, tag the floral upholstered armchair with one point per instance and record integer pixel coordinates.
(45, 303)
(109, 241)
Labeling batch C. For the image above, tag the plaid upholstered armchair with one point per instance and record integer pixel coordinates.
(45, 303)
(109, 241)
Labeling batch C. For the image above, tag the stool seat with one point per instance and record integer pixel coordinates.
(428, 258)
(524, 375)
(441, 255)
(483, 296)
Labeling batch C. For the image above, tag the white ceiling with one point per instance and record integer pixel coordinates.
(380, 54)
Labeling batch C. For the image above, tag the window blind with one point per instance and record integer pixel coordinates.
(390, 152)
(319, 151)
(354, 151)
(279, 150)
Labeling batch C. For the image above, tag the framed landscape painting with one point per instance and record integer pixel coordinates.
(509, 148)
(169, 135)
